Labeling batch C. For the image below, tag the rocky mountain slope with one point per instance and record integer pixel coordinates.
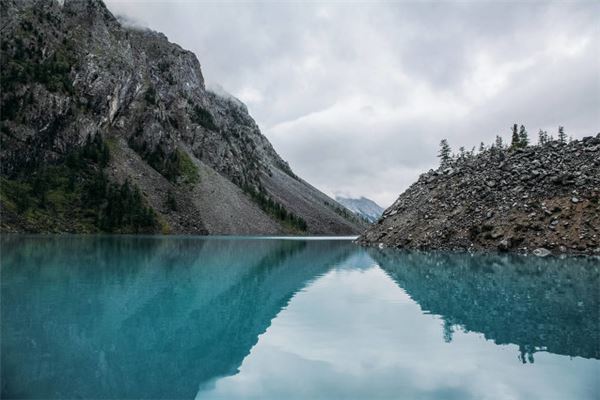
(539, 198)
(363, 207)
(108, 128)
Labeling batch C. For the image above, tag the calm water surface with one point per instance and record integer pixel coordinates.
(181, 317)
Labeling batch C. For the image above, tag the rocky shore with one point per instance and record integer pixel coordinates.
(541, 199)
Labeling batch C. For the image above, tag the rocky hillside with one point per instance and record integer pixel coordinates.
(543, 199)
(108, 128)
(363, 207)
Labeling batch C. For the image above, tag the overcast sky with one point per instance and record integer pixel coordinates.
(357, 96)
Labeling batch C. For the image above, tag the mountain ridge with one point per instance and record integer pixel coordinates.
(362, 206)
(175, 157)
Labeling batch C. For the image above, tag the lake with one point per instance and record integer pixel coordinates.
(226, 318)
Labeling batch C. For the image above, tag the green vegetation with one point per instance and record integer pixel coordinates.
(445, 153)
(562, 136)
(171, 201)
(177, 166)
(150, 95)
(203, 117)
(519, 140)
(286, 168)
(77, 195)
(345, 213)
(523, 137)
(164, 66)
(498, 143)
(23, 62)
(515, 140)
(275, 209)
(543, 137)
(28, 57)
(125, 208)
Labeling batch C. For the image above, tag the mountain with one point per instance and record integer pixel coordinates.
(363, 207)
(538, 198)
(107, 128)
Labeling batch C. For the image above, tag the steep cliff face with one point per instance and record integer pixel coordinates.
(74, 78)
(540, 198)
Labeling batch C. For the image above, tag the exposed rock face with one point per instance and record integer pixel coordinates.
(540, 197)
(363, 207)
(72, 71)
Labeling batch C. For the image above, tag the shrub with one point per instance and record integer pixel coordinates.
(204, 118)
(150, 95)
(275, 209)
(77, 189)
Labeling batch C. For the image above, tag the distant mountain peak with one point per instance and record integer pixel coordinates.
(362, 206)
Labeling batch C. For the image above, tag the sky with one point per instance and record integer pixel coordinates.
(356, 96)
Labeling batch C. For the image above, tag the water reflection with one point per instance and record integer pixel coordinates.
(354, 333)
(162, 317)
(138, 317)
(548, 304)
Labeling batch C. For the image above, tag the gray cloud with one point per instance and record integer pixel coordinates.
(365, 91)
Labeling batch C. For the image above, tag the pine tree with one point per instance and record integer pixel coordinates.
(171, 201)
(481, 147)
(515, 143)
(562, 136)
(444, 153)
(542, 137)
(523, 139)
(499, 143)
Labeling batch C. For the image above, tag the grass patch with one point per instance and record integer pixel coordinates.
(181, 166)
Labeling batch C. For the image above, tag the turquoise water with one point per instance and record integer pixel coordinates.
(226, 318)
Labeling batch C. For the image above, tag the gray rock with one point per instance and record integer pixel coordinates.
(496, 234)
(504, 245)
(148, 97)
(524, 188)
(541, 252)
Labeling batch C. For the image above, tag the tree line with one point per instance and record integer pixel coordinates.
(519, 139)
(77, 189)
(275, 209)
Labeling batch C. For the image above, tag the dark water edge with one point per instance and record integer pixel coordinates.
(180, 317)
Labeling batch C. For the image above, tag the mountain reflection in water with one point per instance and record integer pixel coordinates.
(548, 304)
(161, 317)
